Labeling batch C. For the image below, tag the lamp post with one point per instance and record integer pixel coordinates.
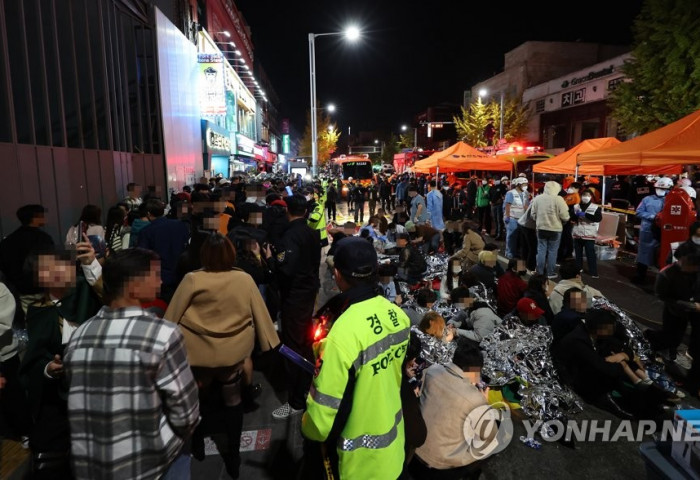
(352, 34)
(415, 135)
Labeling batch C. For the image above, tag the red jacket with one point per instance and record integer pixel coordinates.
(510, 289)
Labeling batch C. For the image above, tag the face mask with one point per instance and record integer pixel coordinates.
(696, 240)
(496, 182)
(456, 270)
(308, 198)
(586, 199)
(484, 183)
(524, 188)
(661, 192)
(569, 190)
(251, 199)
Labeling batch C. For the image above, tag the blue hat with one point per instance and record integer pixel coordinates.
(355, 257)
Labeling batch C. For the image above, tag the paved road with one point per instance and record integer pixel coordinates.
(275, 446)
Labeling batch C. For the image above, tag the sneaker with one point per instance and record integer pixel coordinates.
(286, 411)
(683, 362)
(595, 276)
(25, 442)
(647, 381)
(552, 277)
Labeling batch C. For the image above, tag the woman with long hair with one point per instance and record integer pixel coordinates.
(221, 312)
(91, 218)
(116, 232)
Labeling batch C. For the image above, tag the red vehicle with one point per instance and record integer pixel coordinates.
(406, 159)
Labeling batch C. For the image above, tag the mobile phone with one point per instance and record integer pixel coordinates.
(298, 359)
(81, 230)
(289, 190)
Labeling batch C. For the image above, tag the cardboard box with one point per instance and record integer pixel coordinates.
(687, 453)
(605, 252)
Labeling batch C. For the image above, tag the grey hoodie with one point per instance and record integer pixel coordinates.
(549, 210)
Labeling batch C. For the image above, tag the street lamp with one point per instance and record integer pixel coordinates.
(331, 107)
(352, 33)
(415, 134)
(483, 92)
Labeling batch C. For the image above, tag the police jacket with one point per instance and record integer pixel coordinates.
(354, 401)
(317, 218)
(297, 262)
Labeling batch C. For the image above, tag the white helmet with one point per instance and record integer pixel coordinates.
(685, 182)
(664, 182)
(690, 191)
(519, 181)
(504, 178)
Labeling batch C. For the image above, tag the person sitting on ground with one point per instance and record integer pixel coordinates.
(472, 245)
(594, 377)
(496, 250)
(528, 313)
(451, 280)
(435, 339)
(485, 270)
(412, 264)
(425, 299)
(570, 277)
(452, 237)
(477, 321)
(425, 236)
(537, 288)
(456, 388)
(511, 286)
(571, 315)
(386, 273)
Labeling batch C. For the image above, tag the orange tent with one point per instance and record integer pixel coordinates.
(565, 163)
(460, 157)
(677, 143)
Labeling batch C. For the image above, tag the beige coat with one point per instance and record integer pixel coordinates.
(220, 314)
(472, 244)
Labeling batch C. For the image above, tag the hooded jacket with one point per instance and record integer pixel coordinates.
(556, 298)
(549, 210)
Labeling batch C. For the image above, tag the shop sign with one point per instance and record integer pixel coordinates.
(590, 76)
(259, 152)
(612, 84)
(273, 143)
(212, 95)
(217, 143)
(285, 144)
(245, 146)
(574, 97)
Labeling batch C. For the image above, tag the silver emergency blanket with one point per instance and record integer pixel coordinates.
(437, 265)
(640, 346)
(434, 350)
(519, 353)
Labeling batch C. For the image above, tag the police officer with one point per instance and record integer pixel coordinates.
(649, 241)
(317, 212)
(297, 265)
(354, 405)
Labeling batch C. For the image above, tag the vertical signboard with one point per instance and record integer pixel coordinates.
(212, 95)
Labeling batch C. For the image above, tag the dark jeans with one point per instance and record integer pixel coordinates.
(360, 209)
(485, 218)
(386, 203)
(372, 207)
(497, 215)
(589, 245)
(566, 245)
(528, 246)
(296, 334)
(331, 210)
(13, 401)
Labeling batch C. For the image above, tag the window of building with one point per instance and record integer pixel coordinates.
(539, 106)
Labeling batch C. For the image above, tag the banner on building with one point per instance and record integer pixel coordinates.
(212, 97)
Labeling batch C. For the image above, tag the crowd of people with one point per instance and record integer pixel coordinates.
(142, 332)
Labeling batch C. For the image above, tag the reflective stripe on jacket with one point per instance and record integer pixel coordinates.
(368, 342)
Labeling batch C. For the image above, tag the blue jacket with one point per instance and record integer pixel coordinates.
(168, 238)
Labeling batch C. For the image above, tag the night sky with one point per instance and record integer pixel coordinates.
(412, 53)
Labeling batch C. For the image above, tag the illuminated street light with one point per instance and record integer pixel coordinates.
(482, 93)
(404, 128)
(331, 107)
(352, 33)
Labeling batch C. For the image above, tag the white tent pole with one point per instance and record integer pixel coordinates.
(576, 174)
(602, 199)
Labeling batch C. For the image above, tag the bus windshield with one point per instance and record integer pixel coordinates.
(358, 170)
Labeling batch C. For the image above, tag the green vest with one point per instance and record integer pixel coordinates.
(369, 341)
(317, 219)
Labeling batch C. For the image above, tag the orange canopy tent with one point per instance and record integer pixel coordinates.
(565, 163)
(677, 143)
(460, 157)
